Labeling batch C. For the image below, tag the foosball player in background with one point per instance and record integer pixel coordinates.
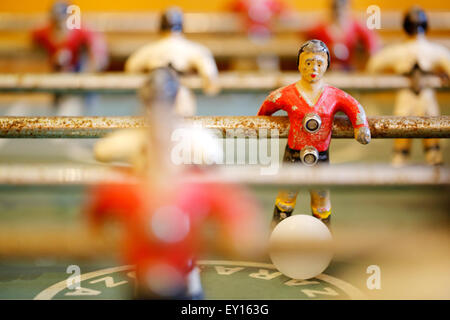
(177, 52)
(70, 49)
(311, 105)
(259, 20)
(415, 58)
(164, 218)
(344, 35)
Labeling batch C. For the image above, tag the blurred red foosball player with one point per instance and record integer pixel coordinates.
(259, 15)
(343, 34)
(70, 49)
(164, 218)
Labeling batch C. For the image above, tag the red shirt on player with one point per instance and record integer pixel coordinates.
(164, 228)
(343, 44)
(65, 54)
(330, 101)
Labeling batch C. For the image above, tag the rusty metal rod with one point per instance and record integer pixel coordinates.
(122, 82)
(249, 126)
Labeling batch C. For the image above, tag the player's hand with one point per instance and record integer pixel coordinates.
(211, 88)
(62, 60)
(362, 135)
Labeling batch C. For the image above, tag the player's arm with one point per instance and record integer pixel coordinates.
(355, 112)
(97, 50)
(35, 38)
(107, 200)
(137, 62)
(119, 146)
(443, 60)
(381, 61)
(270, 105)
(101, 202)
(206, 67)
(240, 219)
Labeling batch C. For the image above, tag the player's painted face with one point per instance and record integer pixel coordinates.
(312, 65)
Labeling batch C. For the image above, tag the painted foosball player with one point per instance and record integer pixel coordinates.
(415, 58)
(311, 105)
(164, 218)
(70, 50)
(343, 34)
(259, 17)
(130, 146)
(182, 55)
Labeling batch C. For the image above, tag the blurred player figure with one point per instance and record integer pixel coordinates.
(415, 58)
(259, 18)
(163, 217)
(311, 105)
(70, 50)
(343, 34)
(184, 56)
(130, 146)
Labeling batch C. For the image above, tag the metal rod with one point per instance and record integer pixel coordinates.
(121, 82)
(353, 175)
(249, 126)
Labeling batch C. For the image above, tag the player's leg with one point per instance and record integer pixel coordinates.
(284, 206)
(161, 281)
(433, 153)
(405, 105)
(286, 199)
(402, 150)
(321, 204)
(185, 104)
(430, 108)
(195, 288)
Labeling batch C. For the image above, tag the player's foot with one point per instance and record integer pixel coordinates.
(278, 216)
(434, 157)
(327, 222)
(399, 160)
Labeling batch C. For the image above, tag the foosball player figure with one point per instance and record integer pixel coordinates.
(164, 217)
(260, 15)
(344, 35)
(70, 50)
(415, 58)
(184, 56)
(311, 105)
(259, 20)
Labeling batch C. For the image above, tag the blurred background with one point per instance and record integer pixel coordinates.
(130, 24)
